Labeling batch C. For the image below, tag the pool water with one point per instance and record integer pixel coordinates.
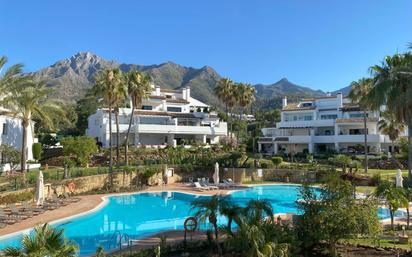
(141, 214)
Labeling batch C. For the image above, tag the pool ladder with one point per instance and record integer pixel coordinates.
(118, 238)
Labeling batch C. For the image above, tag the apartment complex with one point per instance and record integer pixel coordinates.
(11, 131)
(167, 117)
(330, 123)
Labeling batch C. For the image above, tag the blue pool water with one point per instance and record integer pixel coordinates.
(142, 214)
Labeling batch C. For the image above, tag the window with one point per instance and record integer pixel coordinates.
(174, 109)
(329, 117)
(356, 115)
(147, 107)
(307, 117)
(5, 129)
(357, 131)
(305, 104)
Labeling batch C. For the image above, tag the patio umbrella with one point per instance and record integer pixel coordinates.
(399, 179)
(39, 197)
(216, 174)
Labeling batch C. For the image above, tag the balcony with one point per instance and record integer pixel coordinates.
(219, 130)
(305, 123)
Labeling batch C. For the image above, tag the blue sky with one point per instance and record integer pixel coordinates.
(322, 44)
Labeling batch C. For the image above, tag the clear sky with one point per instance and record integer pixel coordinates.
(322, 44)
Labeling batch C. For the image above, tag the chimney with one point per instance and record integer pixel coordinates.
(157, 90)
(187, 93)
(284, 102)
(184, 93)
(339, 100)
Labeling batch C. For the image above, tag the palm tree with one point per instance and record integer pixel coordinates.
(231, 211)
(245, 95)
(120, 96)
(358, 94)
(259, 209)
(393, 196)
(390, 127)
(11, 76)
(106, 86)
(257, 239)
(46, 241)
(225, 92)
(208, 209)
(138, 87)
(392, 86)
(408, 195)
(28, 100)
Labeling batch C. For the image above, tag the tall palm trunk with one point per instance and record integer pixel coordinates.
(110, 140)
(410, 150)
(116, 114)
(227, 114)
(365, 132)
(23, 161)
(126, 141)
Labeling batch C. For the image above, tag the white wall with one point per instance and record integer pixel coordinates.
(14, 134)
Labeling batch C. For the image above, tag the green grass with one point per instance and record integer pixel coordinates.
(380, 243)
(365, 189)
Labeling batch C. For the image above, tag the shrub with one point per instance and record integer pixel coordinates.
(376, 179)
(15, 198)
(277, 161)
(266, 164)
(36, 147)
(79, 148)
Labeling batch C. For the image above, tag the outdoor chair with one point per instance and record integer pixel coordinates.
(6, 219)
(69, 198)
(28, 207)
(198, 187)
(58, 200)
(19, 214)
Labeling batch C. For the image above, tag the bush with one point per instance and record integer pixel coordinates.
(376, 179)
(79, 148)
(266, 164)
(277, 160)
(36, 147)
(15, 198)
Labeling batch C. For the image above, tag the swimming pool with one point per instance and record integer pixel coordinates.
(141, 214)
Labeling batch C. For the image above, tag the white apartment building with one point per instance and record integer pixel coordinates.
(322, 124)
(167, 117)
(11, 133)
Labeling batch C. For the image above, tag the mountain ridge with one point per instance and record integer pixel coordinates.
(73, 76)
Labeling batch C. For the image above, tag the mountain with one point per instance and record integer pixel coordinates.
(344, 91)
(73, 76)
(284, 87)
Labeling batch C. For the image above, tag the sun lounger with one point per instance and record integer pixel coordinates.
(59, 201)
(212, 187)
(198, 187)
(18, 214)
(69, 198)
(229, 182)
(28, 207)
(6, 219)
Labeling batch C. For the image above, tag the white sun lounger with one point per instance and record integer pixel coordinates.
(199, 187)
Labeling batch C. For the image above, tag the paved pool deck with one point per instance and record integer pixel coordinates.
(89, 202)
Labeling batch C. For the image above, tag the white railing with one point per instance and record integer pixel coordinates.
(221, 129)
